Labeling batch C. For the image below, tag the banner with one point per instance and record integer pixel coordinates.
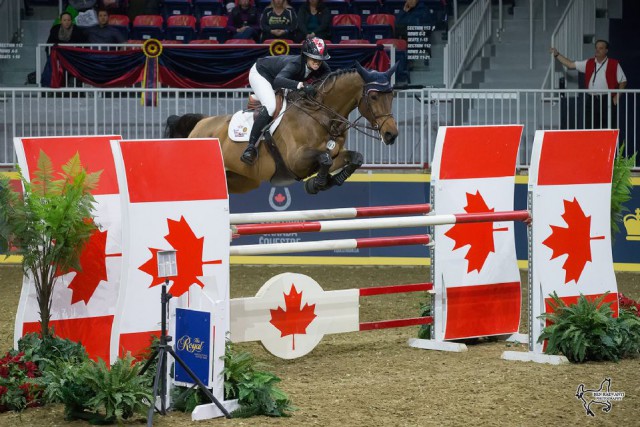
(84, 301)
(476, 276)
(570, 185)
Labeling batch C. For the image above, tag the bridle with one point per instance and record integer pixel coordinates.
(344, 123)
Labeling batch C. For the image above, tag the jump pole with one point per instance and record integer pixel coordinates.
(378, 223)
(339, 213)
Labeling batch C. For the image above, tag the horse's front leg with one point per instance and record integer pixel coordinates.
(320, 181)
(351, 161)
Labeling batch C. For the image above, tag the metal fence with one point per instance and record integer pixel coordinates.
(419, 113)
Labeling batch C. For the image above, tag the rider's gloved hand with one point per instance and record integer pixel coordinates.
(309, 90)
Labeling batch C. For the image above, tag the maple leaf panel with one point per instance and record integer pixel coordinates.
(574, 240)
(294, 319)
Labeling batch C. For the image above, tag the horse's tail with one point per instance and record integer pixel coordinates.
(181, 126)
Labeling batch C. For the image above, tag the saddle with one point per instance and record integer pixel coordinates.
(254, 104)
(242, 121)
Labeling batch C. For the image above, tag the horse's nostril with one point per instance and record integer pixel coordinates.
(390, 137)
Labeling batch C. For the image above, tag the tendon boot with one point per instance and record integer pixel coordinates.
(250, 153)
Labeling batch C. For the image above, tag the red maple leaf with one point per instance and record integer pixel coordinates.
(93, 268)
(279, 198)
(293, 320)
(573, 240)
(188, 258)
(478, 235)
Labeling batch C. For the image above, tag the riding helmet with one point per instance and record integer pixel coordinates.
(315, 48)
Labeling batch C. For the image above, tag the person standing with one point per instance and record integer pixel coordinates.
(278, 21)
(600, 73)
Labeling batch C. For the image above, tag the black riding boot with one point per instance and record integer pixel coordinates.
(251, 152)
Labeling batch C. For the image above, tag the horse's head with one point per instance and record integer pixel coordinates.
(376, 101)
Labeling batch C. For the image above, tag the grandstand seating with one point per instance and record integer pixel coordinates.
(402, 72)
(176, 7)
(269, 41)
(204, 41)
(121, 23)
(214, 27)
(356, 41)
(147, 27)
(345, 27)
(181, 27)
(208, 7)
(365, 8)
(379, 26)
(337, 7)
(393, 7)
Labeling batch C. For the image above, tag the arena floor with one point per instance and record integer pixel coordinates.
(375, 379)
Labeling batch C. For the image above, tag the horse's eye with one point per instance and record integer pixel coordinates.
(374, 96)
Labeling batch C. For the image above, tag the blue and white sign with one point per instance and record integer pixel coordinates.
(193, 344)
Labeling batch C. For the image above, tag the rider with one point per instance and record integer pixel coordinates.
(283, 72)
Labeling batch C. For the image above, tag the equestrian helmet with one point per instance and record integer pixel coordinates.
(315, 48)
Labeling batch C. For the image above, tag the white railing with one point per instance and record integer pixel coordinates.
(577, 21)
(419, 113)
(466, 38)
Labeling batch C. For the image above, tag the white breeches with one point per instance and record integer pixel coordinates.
(263, 90)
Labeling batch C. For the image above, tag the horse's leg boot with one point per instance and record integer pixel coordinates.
(250, 153)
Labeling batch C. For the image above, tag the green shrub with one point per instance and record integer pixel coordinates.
(243, 380)
(588, 331)
(96, 393)
(425, 330)
(51, 349)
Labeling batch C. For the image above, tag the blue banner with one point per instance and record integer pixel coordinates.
(192, 344)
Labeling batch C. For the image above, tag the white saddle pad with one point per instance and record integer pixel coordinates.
(242, 121)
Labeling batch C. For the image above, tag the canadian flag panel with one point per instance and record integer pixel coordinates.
(84, 302)
(477, 281)
(476, 264)
(570, 185)
(197, 229)
(476, 151)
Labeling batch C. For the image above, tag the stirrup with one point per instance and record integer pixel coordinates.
(249, 155)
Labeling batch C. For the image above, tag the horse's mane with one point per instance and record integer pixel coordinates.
(333, 76)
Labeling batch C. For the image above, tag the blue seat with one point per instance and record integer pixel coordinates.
(207, 8)
(378, 26)
(176, 7)
(337, 7)
(345, 27)
(214, 27)
(181, 28)
(365, 8)
(147, 27)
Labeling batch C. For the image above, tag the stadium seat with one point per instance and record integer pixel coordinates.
(121, 23)
(214, 27)
(402, 72)
(337, 7)
(181, 28)
(240, 41)
(204, 41)
(345, 27)
(356, 41)
(379, 26)
(147, 27)
(207, 8)
(365, 8)
(171, 42)
(176, 7)
(393, 7)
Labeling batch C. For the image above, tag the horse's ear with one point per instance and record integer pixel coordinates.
(361, 70)
(392, 70)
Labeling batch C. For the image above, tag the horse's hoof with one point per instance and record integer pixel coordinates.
(249, 155)
(310, 186)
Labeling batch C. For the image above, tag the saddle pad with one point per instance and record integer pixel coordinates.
(242, 121)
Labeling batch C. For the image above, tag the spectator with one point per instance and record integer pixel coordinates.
(66, 31)
(314, 20)
(600, 73)
(278, 21)
(103, 33)
(244, 21)
(413, 12)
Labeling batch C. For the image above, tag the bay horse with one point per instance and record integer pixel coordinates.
(310, 138)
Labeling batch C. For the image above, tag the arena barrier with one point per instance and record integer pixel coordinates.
(474, 263)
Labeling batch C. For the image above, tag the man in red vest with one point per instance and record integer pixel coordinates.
(600, 73)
